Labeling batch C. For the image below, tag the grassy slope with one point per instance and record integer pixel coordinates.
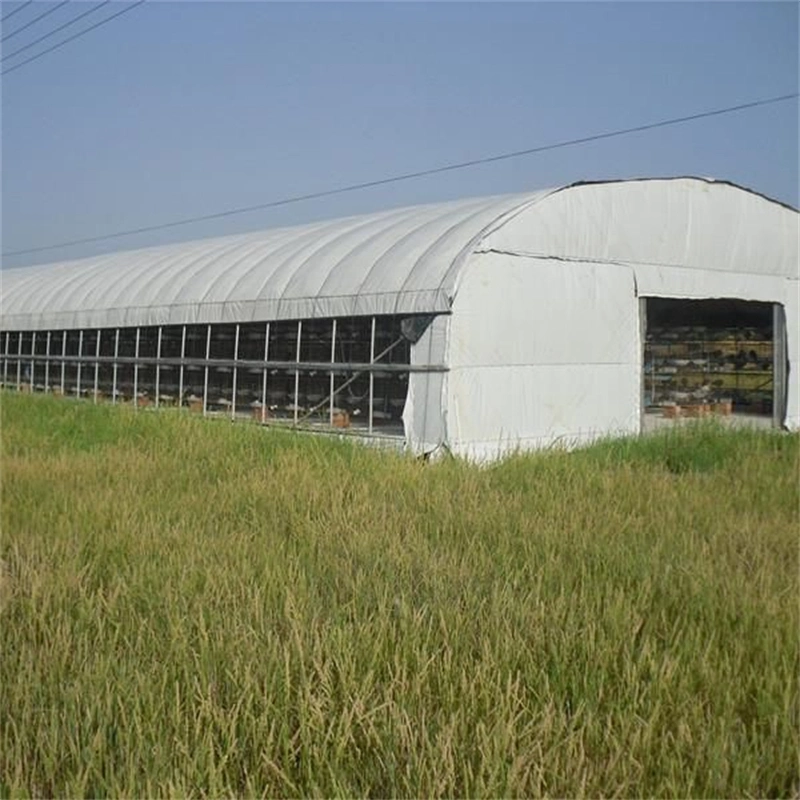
(193, 607)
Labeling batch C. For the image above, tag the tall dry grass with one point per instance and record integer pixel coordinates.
(196, 608)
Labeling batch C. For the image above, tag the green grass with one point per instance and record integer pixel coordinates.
(200, 608)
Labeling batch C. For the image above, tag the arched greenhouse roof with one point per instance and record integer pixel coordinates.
(402, 261)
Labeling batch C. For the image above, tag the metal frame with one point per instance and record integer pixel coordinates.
(332, 388)
(5, 359)
(235, 373)
(205, 379)
(779, 365)
(97, 364)
(47, 365)
(348, 370)
(264, 376)
(80, 363)
(115, 367)
(19, 361)
(642, 349)
(297, 372)
(136, 370)
(63, 362)
(371, 376)
(33, 353)
(302, 366)
(158, 367)
(180, 374)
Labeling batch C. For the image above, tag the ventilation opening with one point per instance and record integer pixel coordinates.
(711, 358)
(350, 374)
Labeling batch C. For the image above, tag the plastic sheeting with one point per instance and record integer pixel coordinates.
(679, 223)
(537, 295)
(682, 238)
(423, 415)
(541, 352)
(394, 262)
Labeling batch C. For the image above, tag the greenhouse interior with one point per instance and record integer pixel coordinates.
(349, 373)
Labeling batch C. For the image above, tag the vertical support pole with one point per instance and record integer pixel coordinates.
(46, 366)
(5, 359)
(205, 379)
(114, 368)
(235, 372)
(97, 364)
(779, 359)
(297, 371)
(180, 371)
(19, 362)
(264, 377)
(63, 362)
(371, 373)
(136, 369)
(33, 358)
(80, 362)
(333, 374)
(642, 362)
(158, 365)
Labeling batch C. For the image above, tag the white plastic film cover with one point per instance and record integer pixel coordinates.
(541, 352)
(530, 280)
(683, 223)
(792, 309)
(392, 262)
(423, 415)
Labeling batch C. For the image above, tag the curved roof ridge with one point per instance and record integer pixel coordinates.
(205, 276)
(398, 261)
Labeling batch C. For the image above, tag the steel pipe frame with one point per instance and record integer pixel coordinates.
(205, 378)
(46, 365)
(333, 374)
(180, 374)
(356, 374)
(33, 363)
(63, 361)
(114, 368)
(158, 366)
(80, 362)
(264, 376)
(97, 364)
(5, 359)
(779, 363)
(136, 371)
(297, 366)
(19, 362)
(235, 373)
(371, 375)
(297, 372)
(290, 366)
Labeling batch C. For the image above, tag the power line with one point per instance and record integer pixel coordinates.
(420, 173)
(35, 20)
(18, 8)
(70, 38)
(56, 30)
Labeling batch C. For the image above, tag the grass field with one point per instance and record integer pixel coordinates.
(200, 608)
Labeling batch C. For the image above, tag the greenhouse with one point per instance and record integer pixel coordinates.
(475, 327)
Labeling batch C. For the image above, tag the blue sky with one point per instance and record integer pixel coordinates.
(179, 109)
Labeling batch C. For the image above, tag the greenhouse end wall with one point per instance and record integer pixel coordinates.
(541, 352)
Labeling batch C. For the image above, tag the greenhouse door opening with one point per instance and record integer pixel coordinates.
(724, 358)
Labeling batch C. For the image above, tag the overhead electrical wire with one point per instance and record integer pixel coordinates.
(73, 37)
(35, 19)
(18, 8)
(56, 30)
(418, 174)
